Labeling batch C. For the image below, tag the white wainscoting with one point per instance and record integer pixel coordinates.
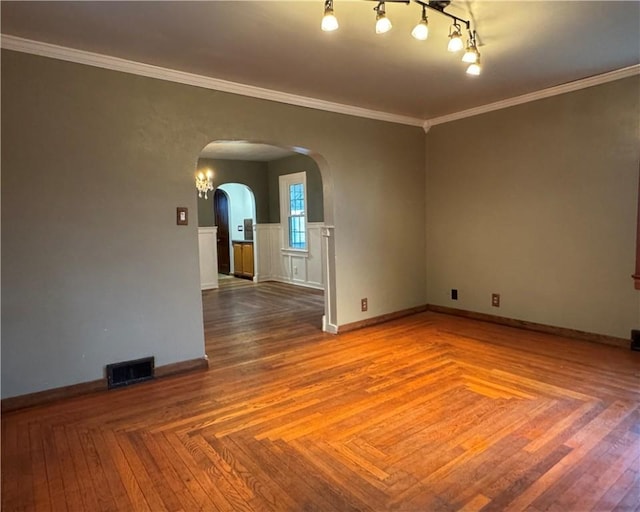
(293, 266)
(207, 249)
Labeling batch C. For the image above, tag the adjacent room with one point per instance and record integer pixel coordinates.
(320, 255)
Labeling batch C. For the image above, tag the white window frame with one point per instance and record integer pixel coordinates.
(285, 181)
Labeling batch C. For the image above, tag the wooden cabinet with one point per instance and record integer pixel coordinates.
(243, 259)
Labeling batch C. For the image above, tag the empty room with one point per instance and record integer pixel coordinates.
(320, 255)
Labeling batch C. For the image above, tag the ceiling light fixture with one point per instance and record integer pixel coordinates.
(421, 30)
(383, 24)
(204, 182)
(329, 20)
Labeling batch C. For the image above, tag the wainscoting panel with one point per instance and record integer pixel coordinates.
(303, 268)
(208, 252)
(314, 261)
(267, 238)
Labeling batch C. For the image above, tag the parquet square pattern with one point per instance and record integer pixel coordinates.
(425, 413)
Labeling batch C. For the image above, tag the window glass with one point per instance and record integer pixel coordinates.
(297, 228)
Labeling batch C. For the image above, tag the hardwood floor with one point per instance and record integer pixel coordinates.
(426, 413)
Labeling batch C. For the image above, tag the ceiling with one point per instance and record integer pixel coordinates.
(525, 46)
(241, 150)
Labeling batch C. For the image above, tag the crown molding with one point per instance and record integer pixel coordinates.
(137, 68)
(538, 95)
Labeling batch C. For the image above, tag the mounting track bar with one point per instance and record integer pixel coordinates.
(434, 5)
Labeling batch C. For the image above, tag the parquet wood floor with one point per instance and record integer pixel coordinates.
(425, 413)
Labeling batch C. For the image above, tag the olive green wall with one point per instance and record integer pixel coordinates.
(538, 203)
(290, 165)
(94, 268)
(251, 174)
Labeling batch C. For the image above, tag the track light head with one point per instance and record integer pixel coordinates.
(421, 30)
(455, 38)
(475, 68)
(383, 24)
(329, 20)
(471, 53)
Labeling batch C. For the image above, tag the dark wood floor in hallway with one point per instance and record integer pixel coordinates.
(425, 413)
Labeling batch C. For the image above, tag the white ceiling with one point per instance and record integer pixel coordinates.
(241, 150)
(525, 46)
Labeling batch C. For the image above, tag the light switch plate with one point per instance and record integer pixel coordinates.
(182, 216)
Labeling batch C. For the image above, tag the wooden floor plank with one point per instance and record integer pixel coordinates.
(87, 490)
(70, 478)
(53, 463)
(118, 475)
(428, 412)
(209, 485)
(10, 472)
(41, 498)
(149, 474)
(96, 476)
(185, 474)
(581, 443)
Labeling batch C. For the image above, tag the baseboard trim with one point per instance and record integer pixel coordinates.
(380, 319)
(51, 395)
(83, 388)
(532, 326)
(191, 365)
(303, 284)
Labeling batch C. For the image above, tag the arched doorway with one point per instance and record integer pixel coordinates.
(234, 208)
(258, 166)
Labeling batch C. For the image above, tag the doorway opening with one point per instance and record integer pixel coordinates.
(251, 243)
(235, 217)
(221, 221)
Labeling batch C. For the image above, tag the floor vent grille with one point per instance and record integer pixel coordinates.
(130, 372)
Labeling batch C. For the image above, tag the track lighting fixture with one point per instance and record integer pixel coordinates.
(421, 30)
(383, 24)
(329, 20)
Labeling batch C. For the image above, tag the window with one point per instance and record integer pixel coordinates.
(297, 235)
(293, 211)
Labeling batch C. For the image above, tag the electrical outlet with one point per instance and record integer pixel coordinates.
(495, 300)
(454, 294)
(364, 304)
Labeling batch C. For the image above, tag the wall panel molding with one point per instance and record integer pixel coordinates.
(275, 263)
(208, 256)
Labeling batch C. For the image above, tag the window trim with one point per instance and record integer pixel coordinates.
(285, 181)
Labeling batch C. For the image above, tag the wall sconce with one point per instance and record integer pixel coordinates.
(204, 182)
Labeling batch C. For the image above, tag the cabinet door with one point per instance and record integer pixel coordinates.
(247, 260)
(237, 259)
